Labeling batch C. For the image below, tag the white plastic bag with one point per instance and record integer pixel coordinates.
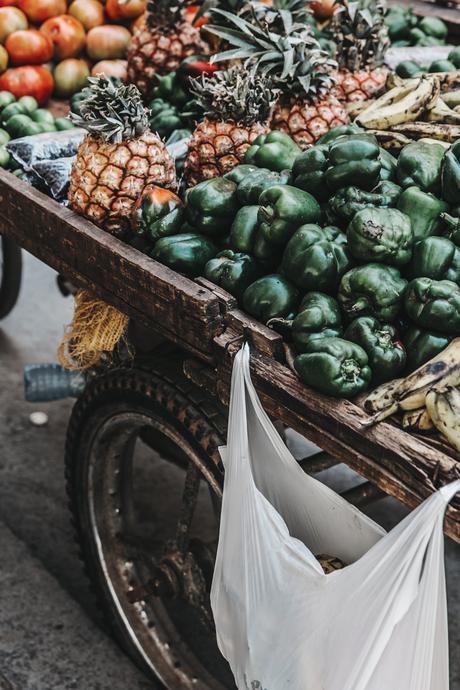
(378, 624)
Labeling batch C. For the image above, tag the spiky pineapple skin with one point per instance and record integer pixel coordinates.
(362, 85)
(217, 147)
(152, 52)
(307, 122)
(107, 179)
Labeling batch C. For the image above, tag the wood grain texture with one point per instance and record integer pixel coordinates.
(144, 289)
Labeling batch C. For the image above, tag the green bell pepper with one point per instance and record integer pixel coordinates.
(232, 271)
(254, 183)
(186, 253)
(419, 164)
(157, 213)
(454, 56)
(212, 205)
(387, 356)
(432, 26)
(424, 211)
(314, 261)
(335, 367)
(372, 290)
(309, 169)
(282, 210)
(421, 346)
(451, 174)
(271, 297)
(408, 69)
(389, 166)
(354, 160)
(168, 88)
(240, 173)
(437, 258)
(441, 66)
(348, 201)
(244, 229)
(337, 132)
(318, 317)
(434, 305)
(452, 228)
(275, 151)
(164, 118)
(383, 235)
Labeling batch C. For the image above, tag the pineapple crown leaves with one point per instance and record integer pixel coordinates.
(165, 13)
(292, 58)
(234, 95)
(112, 112)
(359, 30)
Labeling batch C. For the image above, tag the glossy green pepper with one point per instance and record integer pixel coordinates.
(437, 258)
(335, 367)
(349, 200)
(407, 69)
(454, 56)
(451, 174)
(313, 260)
(434, 305)
(244, 229)
(212, 205)
(452, 228)
(240, 173)
(318, 317)
(186, 253)
(168, 88)
(275, 151)
(421, 346)
(441, 66)
(271, 297)
(282, 210)
(309, 169)
(354, 160)
(232, 271)
(387, 356)
(424, 211)
(337, 132)
(157, 213)
(164, 118)
(389, 165)
(419, 164)
(381, 234)
(372, 290)
(432, 26)
(254, 183)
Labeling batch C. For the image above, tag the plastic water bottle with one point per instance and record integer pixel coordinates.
(46, 382)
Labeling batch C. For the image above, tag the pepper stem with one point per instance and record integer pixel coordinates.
(450, 221)
(350, 370)
(267, 213)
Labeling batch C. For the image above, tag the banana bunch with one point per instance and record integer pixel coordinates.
(404, 103)
(428, 398)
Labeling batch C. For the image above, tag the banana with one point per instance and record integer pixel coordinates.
(452, 98)
(417, 420)
(410, 393)
(449, 81)
(401, 104)
(382, 397)
(443, 405)
(434, 130)
(441, 112)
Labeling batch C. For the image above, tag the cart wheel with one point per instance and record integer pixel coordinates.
(144, 488)
(10, 275)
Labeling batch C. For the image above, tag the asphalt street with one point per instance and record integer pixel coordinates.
(52, 636)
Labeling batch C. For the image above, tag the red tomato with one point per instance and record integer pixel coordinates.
(39, 10)
(67, 34)
(30, 80)
(323, 8)
(11, 19)
(111, 68)
(30, 47)
(89, 12)
(129, 9)
(108, 42)
(8, 3)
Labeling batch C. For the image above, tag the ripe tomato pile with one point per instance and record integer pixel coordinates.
(51, 46)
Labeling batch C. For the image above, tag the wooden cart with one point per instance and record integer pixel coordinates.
(173, 397)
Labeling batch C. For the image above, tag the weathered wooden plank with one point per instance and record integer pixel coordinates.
(144, 289)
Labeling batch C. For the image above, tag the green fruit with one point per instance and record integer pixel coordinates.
(6, 98)
(442, 66)
(47, 126)
(31, 129)
(454, 57)
(42, 115)
(408, 69)
(12, 109)
(17, 124)
(29, 102)
(62, 123)
(4, 157)
(4, 137)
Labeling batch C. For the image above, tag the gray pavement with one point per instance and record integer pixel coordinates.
(51, 633)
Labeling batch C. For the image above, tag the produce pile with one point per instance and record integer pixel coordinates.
(406, 29)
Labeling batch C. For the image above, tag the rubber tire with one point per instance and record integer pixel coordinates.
(180, 404)
(11, 275)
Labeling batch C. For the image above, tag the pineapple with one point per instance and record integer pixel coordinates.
(361, 36)
(118, 158)
(236, 105)
(293, 58)
(160, 43)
